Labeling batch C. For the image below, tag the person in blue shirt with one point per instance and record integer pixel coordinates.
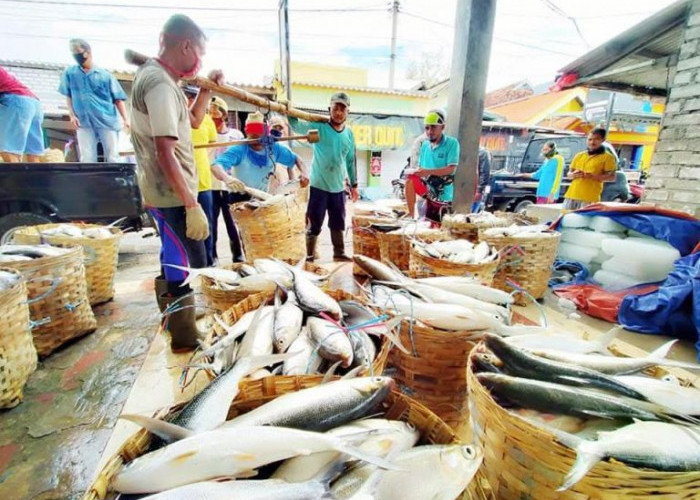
(252, 165)
(437, 163)
(549, 174)
(94, 96)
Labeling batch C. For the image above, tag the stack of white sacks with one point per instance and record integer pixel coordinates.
(616, 257)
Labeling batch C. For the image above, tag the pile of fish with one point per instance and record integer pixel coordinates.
(73, 231)
(481, 219)
(321, 333)
(389, 208)
(540, 230)
(20, 253)
(458, 251)
(261, 277)
(8, 280)
(639, 420)
(314, 443)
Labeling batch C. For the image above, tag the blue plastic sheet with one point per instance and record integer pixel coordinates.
(674, 309)
(567, 272)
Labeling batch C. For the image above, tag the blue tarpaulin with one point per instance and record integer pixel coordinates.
(673, 309)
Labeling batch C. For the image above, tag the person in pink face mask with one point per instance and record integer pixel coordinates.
(161, 121)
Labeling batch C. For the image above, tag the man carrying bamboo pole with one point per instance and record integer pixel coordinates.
(168, 180)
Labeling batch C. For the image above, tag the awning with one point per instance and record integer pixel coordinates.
(641, 60)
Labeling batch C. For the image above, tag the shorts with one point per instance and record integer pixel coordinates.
(570, 204)
(20, 125)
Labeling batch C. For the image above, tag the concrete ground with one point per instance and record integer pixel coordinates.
(53, 444)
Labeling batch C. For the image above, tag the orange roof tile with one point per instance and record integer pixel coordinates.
(530, 109)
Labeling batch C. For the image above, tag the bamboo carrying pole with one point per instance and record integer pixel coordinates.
(138, 59)
(312, 137)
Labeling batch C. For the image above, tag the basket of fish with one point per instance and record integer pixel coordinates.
(59, 309)
(225, 287)
(18, 359)
(445, 318)
(466, 226)
(273, 226)
(395, 246)
(296, 438)
(327, 332)
(100, 247)
(527, 255)
(564, 422)
(454, 258)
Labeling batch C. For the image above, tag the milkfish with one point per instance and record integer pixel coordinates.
(214, 273)
(257, 341)
(436, 294)
(288, 320)
(321, 407)
(330, 340)
(521, 363)
(311, 298)
(468, 286)
(231, 452)
(678, 399)
(306, 359)
(647, 445)
(432, 472)
(613, 365)
(33, 251)
(233, 332)
(249, 489)
(379, 270)
(562, 342)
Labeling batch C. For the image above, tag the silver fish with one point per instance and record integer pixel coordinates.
(311, 298)
(14, 258)
(306, 359)
(222, 452)
(363, 349)
(330, 340)
(649, 445)
(8, 280)
(269, 266)
(562, 342)
(257, 341)
(436, 294)
(288, 319)
(524, 364)
(322, 407)
(233, 332)
(215, 273)
(678, 399)
(247, 270)
(468, 286)
(379, 270)
(33, 251)
(613, 365)
(250, 489)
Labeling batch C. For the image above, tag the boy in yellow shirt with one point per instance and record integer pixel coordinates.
(589, 170)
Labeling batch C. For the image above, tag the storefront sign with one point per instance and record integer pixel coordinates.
(377, 134)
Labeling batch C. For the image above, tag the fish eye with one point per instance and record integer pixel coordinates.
(469, 452)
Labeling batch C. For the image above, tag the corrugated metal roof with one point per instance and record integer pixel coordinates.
(373, 90)
(639, 60)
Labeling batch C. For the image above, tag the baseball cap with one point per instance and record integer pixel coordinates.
(220, 103)
(192, 90)
(434, 117)
(340, 97)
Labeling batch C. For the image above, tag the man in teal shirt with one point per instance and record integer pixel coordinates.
(437, 160)
(549, 174)
(334, 159)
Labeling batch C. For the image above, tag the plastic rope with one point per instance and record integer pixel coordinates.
(518, 289)
(54, 283)
(410, 325)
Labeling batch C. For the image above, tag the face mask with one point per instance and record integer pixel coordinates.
(219, 122)
(192, 72)
(276, 133)
(549, 154)
(80, 58)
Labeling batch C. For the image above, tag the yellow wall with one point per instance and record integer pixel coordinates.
(327, 74)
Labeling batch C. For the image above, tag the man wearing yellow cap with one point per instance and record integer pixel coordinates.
(437, 162)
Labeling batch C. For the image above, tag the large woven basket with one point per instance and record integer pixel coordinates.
(17, 353)
(470, 231)
(275, 231)
(220, 300)
(396, 248)
(422, 266)
(253, 302)
(255, 393)
(522, 460)
(526, 262)
(364, 238)
(58, 301)
(101, 255)
(435, 371)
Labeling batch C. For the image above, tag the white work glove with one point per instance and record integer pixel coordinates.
(196, 223)
(235, 185)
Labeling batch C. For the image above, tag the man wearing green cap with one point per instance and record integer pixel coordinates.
(334, 159)
(437, 160)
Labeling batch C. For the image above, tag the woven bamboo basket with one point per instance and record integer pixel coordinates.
(18, 355)
(522, 460)
(101, 255)
(435, 372)
(255, 393)
(58, 302)
(470, 231)
(253, 302)
(220, 300)
(422, 266)
(396, 248)
(526, 261)
(275, 231)
(365, 239)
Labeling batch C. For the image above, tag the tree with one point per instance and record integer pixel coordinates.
(429, 67)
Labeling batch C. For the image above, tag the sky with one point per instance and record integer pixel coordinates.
(532, 38)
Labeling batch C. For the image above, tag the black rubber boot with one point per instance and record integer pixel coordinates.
(339, 247)
(160, 287)
(311, 247)
(182, 322)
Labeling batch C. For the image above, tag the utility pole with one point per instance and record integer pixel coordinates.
(470, 63)
(285, 75)
(609, 111)
(395, 4)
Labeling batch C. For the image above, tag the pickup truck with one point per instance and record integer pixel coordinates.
(40, 193)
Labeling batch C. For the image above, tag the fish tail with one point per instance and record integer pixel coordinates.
(365, 457)
(191, 273)
(662, 352)
(250, 364)
(604, 340)
(165, 430)
(394, 337)
(587, 456)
